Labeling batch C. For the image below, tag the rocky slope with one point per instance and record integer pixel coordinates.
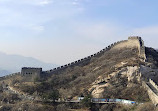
(114, 73)
(119, 64)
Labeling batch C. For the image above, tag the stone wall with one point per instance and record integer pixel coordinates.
(133, 42)
(153, 97)
(11, 75)
(86, 59)
(142, 50)
(153, 84)
(130, 43)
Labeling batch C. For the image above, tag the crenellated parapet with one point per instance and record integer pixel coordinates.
(133, 41)
(83, 60)
(134, 37)
(10, 75)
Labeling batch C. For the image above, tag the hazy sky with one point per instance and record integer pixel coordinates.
(61, 31)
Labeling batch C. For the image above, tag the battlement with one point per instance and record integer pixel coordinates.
(134, 38)
(86, 59)
(137, 38)
(31, 68)
(132, 42)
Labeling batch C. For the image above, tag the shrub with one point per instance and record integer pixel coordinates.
(61, 107)
(146, 107)
(52, 95)
(87, 101)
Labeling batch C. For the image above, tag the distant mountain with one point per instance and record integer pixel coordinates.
(4, 72)
(13, 63)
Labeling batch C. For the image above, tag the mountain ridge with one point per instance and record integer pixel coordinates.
(123, 71)
(13, 63)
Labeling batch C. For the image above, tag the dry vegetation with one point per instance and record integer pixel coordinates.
(75, 81)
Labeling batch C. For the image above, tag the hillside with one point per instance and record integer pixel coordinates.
(125, 70)
(105, 67)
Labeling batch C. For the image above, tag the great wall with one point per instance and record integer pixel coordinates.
(152, 90)
(136, 39)
(150, 85)
(133, 41)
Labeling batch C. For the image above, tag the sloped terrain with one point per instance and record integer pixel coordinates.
(112, 74)
(78, 79)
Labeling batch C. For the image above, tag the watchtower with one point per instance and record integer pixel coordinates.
(31, 73)
(141, 46)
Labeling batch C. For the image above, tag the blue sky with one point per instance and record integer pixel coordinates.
(61, 31)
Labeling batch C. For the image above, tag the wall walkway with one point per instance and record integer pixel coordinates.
(152, 90)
